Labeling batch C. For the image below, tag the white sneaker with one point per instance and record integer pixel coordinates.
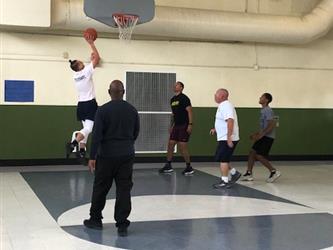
(247, 177)
(273, 176)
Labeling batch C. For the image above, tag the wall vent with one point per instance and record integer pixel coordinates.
(150, 94)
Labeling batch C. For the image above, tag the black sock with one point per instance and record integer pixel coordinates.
(82, 150)
(75, 143)
(188, 164)
(169, 162)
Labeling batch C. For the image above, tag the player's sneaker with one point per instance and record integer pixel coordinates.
(235, 177)
(81, 156)
(69, 149)
(273, 176)
(247, 176)
(81, 153)
(222, 184)
(122, 231)
(94, 224)
(166, 169)
(188, 171)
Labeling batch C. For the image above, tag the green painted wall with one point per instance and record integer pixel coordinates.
(35, 132)
(40, 132)
(300, 131)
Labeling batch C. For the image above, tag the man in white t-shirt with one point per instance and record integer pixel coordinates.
(87, 104)
(227, 133)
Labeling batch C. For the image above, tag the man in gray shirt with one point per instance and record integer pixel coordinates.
(263, 141)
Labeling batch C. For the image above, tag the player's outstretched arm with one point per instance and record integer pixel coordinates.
(94, 55)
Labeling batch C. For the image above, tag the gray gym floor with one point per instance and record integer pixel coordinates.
(43, 208)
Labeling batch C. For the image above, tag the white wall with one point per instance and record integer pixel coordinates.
(226, 5)
(298, 76)
(276, 7)
(35, 13)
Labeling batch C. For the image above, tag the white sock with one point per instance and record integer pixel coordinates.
(225, 179)
(233, 171)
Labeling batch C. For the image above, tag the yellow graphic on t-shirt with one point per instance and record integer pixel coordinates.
(175, 103)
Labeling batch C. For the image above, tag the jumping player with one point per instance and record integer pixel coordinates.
(87, 104)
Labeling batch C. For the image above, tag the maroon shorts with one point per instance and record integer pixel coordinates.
(179, 133)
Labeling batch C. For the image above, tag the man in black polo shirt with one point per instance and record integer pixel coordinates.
(180, 130)
(115, 131)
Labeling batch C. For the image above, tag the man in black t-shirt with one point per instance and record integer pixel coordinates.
(180, 130)
(115, 130)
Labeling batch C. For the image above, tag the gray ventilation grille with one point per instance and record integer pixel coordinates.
(150, 91)
(154, 133)
(150, 94)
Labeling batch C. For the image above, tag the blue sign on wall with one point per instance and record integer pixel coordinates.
(19, 91)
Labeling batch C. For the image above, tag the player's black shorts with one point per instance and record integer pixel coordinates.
(86, 110)
(263, 146)
(224, 152)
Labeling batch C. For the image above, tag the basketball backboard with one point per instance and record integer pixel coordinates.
(102, 10)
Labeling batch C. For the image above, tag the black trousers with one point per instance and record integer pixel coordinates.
(119, 169)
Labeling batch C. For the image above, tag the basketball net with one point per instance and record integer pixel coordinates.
(126, 24)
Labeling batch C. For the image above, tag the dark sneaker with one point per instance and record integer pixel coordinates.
(69, 149)
(188, 171)
(235, 177)
(82, 153)
(273, 176)
(122, 231)
(166, 169)
(247, 176)
(94, 224)
(81, 156)
(222, 184)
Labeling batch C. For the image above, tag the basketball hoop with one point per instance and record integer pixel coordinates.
(126, 24)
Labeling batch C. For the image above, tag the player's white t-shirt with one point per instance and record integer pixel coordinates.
(225, 111)
(84, 83)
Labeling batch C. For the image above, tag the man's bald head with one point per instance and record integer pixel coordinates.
(223, 92)
(116, 90)
(221, 95)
